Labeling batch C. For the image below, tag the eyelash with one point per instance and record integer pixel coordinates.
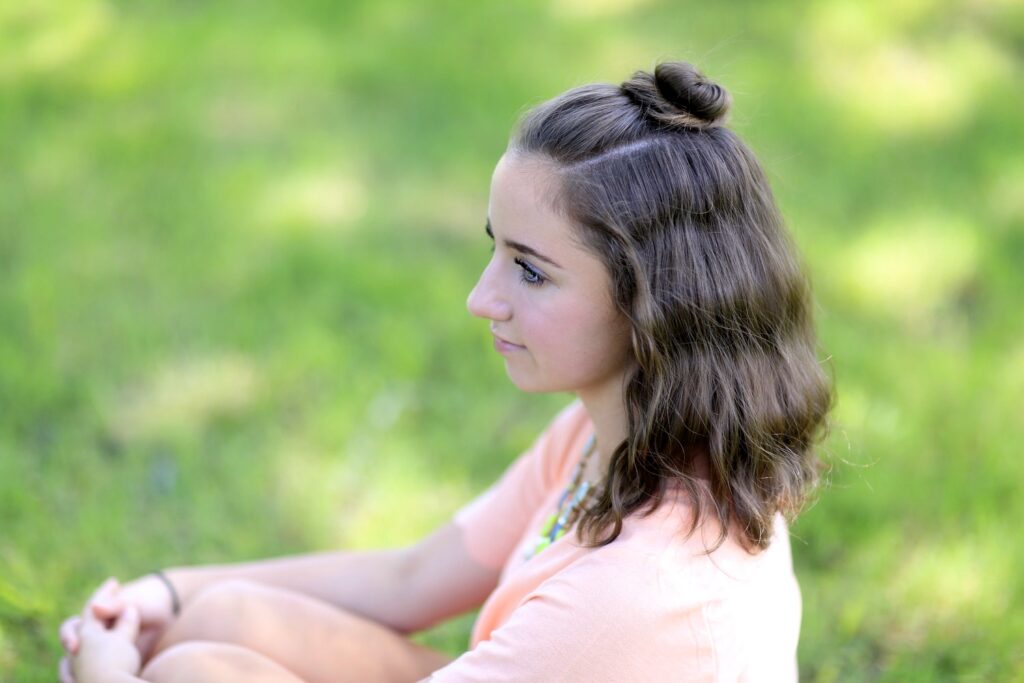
(527, 275)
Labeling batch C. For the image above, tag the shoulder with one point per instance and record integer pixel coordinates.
(599, 618)
(645, 607)
(613, 614)
(663, 592)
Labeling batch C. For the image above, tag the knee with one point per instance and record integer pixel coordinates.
(225, 601)
(220, 613)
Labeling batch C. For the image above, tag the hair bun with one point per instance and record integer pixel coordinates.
(679, 95)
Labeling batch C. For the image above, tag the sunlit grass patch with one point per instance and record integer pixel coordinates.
(942, 584)
(587, 9)
(41, 38)
(315, 486)
(185, 396)
(866, 412)
(907, 266)
(398, 481)
(885, 79)
(1006, 192)
(316, 201)
(362, 496)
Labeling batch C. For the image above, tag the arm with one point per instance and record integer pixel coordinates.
(407, 589)
(411, 588)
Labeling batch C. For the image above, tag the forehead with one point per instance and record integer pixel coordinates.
(522, 204)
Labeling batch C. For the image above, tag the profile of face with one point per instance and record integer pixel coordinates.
(547, 297)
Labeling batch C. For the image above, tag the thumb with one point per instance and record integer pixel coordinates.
(108, 607)
(108, 587)
(128, 625)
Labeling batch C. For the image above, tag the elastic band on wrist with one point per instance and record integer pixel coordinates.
(175, 601)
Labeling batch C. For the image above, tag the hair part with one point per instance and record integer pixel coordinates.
(700, 262)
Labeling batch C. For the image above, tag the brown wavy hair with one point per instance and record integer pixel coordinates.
(700, 262)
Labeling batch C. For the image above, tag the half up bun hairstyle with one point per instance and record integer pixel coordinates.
(682, 216)
(678, 95)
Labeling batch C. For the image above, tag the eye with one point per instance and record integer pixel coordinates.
(529, 274)
(490, 235)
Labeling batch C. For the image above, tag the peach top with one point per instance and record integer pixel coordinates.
(650, 606)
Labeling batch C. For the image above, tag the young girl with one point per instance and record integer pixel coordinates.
(639, 262)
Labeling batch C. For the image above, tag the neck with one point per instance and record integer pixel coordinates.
(607, 411)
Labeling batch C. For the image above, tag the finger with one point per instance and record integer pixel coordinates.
(107, 588)
(104, 605)
(91, 623)
(65, 671)
(69, 634)
(108, 607)
(128, 624)
(98, 595)
(107, 604)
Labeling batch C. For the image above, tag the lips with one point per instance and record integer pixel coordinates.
(506, 341)
(503, 345)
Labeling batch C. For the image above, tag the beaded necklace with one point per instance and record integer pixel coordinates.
(570, 504)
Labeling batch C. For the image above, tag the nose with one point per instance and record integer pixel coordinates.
(485, 301)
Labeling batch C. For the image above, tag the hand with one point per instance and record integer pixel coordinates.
(147, 594)
(104, 651)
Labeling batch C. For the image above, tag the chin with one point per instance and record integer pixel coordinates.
(533, 385)
(529, 387)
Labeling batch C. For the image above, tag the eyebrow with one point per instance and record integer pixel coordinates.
(520, 247)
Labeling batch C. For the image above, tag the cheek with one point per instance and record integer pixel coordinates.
(609, 339)
(571, 332)
(592, 339)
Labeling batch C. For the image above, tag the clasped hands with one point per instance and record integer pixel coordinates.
(118, 628)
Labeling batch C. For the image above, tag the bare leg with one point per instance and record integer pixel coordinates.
(315, 641)
(201, 662)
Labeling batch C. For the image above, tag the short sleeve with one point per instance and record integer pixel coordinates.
(494, 522)
(587, 624)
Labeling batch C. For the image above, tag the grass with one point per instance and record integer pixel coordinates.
(236, 239)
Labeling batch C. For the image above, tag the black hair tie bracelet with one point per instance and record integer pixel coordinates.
(175, 601)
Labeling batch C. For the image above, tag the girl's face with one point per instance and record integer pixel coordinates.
(547, 297)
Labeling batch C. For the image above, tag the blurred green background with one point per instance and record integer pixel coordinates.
(236, 241)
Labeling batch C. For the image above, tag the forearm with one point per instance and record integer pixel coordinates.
(371, 583)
